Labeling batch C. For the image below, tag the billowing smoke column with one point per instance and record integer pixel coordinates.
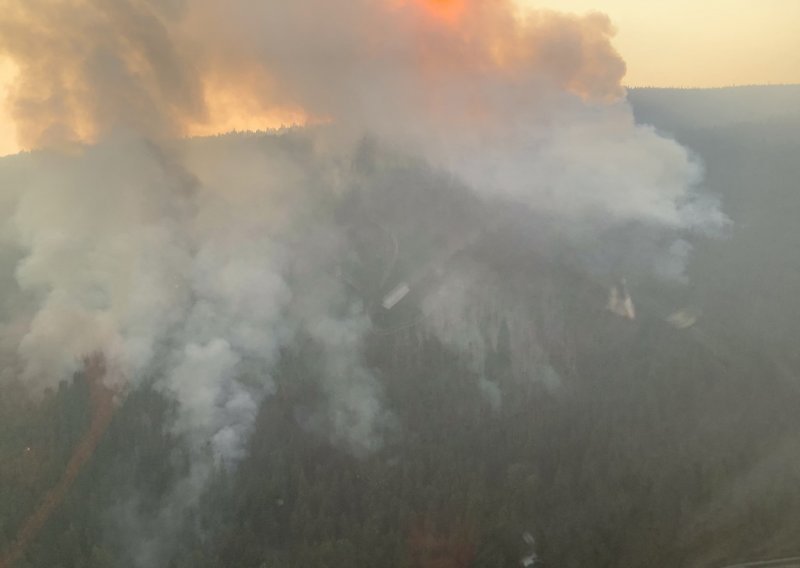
(526, 105)
(189, 282)
(192, 265)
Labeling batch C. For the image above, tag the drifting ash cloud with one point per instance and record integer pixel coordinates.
(191, 266)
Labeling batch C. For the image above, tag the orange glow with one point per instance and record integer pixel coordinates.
(101, 400)
(235, 107)
(449, 11)
(8, 134)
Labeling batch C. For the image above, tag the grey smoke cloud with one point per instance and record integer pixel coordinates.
(88, 67)
(530, 107)
(190, 282)
(194, 263)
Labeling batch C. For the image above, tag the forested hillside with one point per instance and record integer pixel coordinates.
(528, 424)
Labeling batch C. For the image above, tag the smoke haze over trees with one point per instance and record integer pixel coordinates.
(383, 337)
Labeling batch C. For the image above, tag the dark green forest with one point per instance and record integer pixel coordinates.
(654, 446)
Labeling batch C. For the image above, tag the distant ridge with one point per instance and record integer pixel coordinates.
(718, 88)
(686, 108)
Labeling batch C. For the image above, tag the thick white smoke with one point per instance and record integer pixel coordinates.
(192, 264)
(183, 281)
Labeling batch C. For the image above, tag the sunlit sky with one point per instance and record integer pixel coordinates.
(666, 43)
(701, 43)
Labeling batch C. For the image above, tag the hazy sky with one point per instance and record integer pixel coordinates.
(684, 43)
(701, 43)
(7, 142)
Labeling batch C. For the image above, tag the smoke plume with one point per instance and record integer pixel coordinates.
(190, 265)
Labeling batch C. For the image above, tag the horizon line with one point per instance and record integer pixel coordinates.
(712, 88)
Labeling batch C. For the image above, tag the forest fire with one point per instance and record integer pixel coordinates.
(213, 273)
(101, 403)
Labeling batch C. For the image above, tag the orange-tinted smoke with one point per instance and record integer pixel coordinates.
(449, 11)
(90, 67)
(101, 399)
